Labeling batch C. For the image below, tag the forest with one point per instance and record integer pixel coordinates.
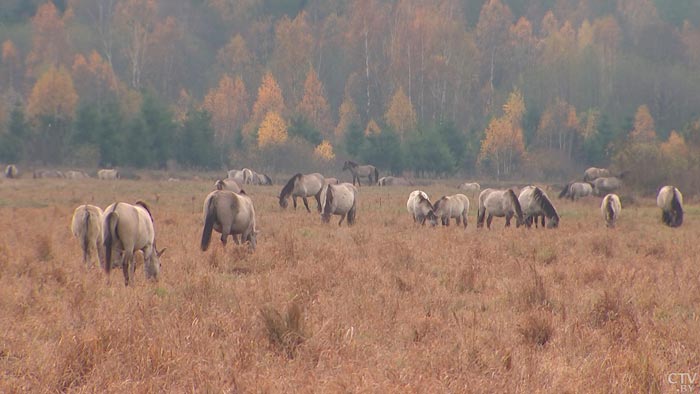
(506, 89)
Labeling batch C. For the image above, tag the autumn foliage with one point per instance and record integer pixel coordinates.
(272, 131)
(53, 95)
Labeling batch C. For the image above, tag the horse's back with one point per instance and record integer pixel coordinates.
(87, 219)
(665, 196)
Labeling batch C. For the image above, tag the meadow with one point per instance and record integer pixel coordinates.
(383, 306)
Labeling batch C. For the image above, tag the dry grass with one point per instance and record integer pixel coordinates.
(383, 306)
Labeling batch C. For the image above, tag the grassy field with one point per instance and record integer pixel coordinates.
(383, 306)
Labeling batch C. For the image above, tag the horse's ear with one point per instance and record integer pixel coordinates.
(161, 252)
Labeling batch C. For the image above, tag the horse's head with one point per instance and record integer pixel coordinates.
(432, 218)
(346, 165)
(553, 222)
(153, 269)
(283, 202)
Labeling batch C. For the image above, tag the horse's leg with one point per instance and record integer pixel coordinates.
(294, 200)
(464, 218)
(488, 221)
(358, 180)
(306, 204)
(508, 216)
(127, 260)
(224, 237)
(341, 219)
(318, 201)
(543, 217)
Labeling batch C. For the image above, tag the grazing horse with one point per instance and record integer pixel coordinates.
(227, 184)
(611, 208)
(594, 173)
(471, 188)
(47, 174)
(331, 181)
(86, 226)
(126, 229)
(248, 177)
(303, 186)
(358, 171)
(11, 171)
(339, 200)
(76, 174)
(454, 206)
(420, 208)
(394, 181)
(499, 203)
(261, 179)
(229, 213)
(108, 174)
(534, 202)
(603, 186)
(670, 200)
(236, 175)
(576, 190)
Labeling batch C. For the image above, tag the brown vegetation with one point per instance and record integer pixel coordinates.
(383, 306)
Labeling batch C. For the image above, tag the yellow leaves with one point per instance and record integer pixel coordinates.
(348, 115)
(324, 151)
(227, 105)
(400, 115)
(675, 146)
(272, 131)
(503, 142)
(372, 128)
(269, 99)
(643, 126)
(53, 95)
(514, 108)
(314, 105)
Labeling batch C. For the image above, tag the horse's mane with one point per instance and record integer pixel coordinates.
(329, 200)
(544, 203)
(219, 184)
(566, 190)
(144, 206)
(437, 203)
(516, 203)
(677, 207)
(352, 163)
(289, 187)
(421, 198)
(609, 207)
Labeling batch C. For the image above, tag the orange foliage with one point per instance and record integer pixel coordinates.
(348, 115)
(290, 57)
(235, 57)
(675, 149)
(49, 40)
(644, 130)
(314, 105)
(324, 151)
(400, 115)
(93, 76)
(53, 95)
(269, 99)
(272, 131)
(504, 142)
(372, 128)
(228, 107)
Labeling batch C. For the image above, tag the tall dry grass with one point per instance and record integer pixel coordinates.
(383, 306)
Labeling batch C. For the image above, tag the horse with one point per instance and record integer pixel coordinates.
(499, 203)
(576, 190)
(11, 171)
(303, 186)
(227, 184)
(471, 188)
(229, 213)
(76, 174)
(339, 200)
(358, 171)
(331, 181)
(605, 185)
(394, 181)
(593, 173)
(86, 226)
(108, 174)
(261, 179)
(126, 229)
(670, 200)
(611, 208)
(454, 206)
(236, 175)
(534, 203)
(420, 208)
(47, 174)
(248, 177)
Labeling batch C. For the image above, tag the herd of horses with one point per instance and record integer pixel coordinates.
(123, 229)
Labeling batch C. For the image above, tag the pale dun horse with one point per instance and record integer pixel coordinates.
(420, 208)
(499, 203)
(455, 206)
(229, 214)
(611, 208)
(86, 226)
(670, 200)
(303, 186)
(535, 203)
(227, 184)
(339, 200)
(369, 171)
(127, 229)
(11, 171)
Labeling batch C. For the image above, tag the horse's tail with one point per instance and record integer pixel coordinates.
(209, 220)
(609, 209)
(84, 241)
(677, 207)
(516, 204)
(328, 201)
(480, 214)
(352, 213)
(376, 175)
(565, 191)
(110, 235)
